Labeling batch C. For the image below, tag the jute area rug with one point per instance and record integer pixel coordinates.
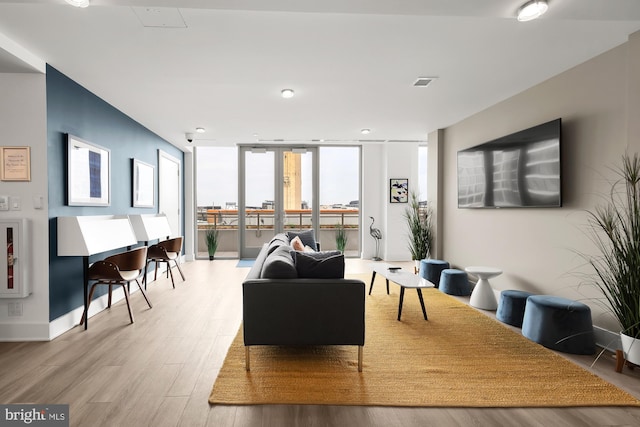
(458, 358)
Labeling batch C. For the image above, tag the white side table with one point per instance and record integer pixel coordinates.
(482, 295)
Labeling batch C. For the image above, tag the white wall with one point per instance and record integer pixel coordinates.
(23, 122)
(381, 162)
(536, 248)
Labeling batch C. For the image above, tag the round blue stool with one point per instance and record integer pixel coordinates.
(454, 282)
(430, 270)
(511, 307)
(559, 324)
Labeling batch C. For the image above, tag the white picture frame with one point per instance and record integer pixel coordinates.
(88, 173)
(143, 188)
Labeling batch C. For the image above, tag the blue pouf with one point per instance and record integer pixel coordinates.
(511, 307)
(430, 270)
(559, 324)
(454, 282)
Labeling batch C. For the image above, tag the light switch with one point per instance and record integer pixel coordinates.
(14, 203)
(38, 202)
(4, 203)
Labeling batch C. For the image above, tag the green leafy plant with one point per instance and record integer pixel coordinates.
(420, 228)
(615, 227)
(341, 238)
(211, 236)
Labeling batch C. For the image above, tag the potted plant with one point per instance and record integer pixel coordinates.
(341, 237)
(211, 236)
(615, 227)
(420, 230)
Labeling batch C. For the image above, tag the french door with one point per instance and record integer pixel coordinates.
(277, 192)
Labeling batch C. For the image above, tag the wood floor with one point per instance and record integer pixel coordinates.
(159, 370)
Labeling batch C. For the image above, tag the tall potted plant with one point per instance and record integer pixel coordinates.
(341, 237)
(420, 230)
(211, 236)
(615, 227)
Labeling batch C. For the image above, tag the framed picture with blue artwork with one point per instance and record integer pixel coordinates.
(88, 173)
(398, 190)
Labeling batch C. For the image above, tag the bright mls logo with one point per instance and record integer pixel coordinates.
(35, 415)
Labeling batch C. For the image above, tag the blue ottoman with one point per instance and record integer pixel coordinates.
(559, 324)
(511, 307)
(454, 282)
(430, 270)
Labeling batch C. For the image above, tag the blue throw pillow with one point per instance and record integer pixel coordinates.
(327, 266)
(307, 237)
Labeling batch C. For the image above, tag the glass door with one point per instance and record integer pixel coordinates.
(277, 186)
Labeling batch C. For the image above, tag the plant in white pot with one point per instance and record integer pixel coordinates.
(420, 229)
(616, 233)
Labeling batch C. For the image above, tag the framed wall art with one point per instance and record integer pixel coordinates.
(143, 184)
(15, 163)
(88, 173)
(398, 190)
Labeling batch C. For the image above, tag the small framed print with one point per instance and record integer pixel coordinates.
(143, 184)
(398, 190)
(16, 163)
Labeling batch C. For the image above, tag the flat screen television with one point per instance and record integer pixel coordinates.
(521, 170)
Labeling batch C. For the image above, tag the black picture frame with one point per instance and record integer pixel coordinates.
(399, 190)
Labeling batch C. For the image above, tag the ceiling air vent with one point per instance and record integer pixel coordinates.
(424, 81)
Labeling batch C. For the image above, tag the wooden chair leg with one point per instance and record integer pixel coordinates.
(85, 313)
(126, 296)
(169, 272)
(109, 299)
(144, 294)
(155, 270)
(180, 270)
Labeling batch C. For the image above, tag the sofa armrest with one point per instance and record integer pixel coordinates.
(303, 312)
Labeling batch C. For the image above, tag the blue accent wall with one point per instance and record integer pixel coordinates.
(72, 109)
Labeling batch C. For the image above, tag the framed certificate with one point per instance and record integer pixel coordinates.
(16, 163)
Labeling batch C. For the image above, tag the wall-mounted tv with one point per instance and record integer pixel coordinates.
(521, 170)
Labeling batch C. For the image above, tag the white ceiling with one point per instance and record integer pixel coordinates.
(220, 64)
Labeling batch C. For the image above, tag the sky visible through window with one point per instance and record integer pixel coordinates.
(217, 176)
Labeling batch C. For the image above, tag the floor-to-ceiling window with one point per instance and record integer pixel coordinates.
(339, 185)
(422, 174)
(217, 198)
(250, 193)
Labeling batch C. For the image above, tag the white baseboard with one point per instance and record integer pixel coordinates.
(607, 339)
(13, 332)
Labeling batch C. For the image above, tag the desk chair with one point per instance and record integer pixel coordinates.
(119, 269)
(166, 251)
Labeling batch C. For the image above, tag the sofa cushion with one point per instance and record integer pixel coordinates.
(277, 241)
(315, 254)
(307, 237)
(279, 264)
(320, 265)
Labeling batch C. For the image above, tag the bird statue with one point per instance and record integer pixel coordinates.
(377, 235)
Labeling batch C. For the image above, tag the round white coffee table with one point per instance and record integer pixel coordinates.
(482, 295)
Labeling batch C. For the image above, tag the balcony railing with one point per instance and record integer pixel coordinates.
(258, 221)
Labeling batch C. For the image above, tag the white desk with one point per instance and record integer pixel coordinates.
(482, 296)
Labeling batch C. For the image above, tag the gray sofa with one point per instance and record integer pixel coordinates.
(280, 309)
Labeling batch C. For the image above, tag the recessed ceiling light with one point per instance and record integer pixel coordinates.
(78, 3)
(532, 9)
(365, 131)
(200, 130)
(287, 93)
